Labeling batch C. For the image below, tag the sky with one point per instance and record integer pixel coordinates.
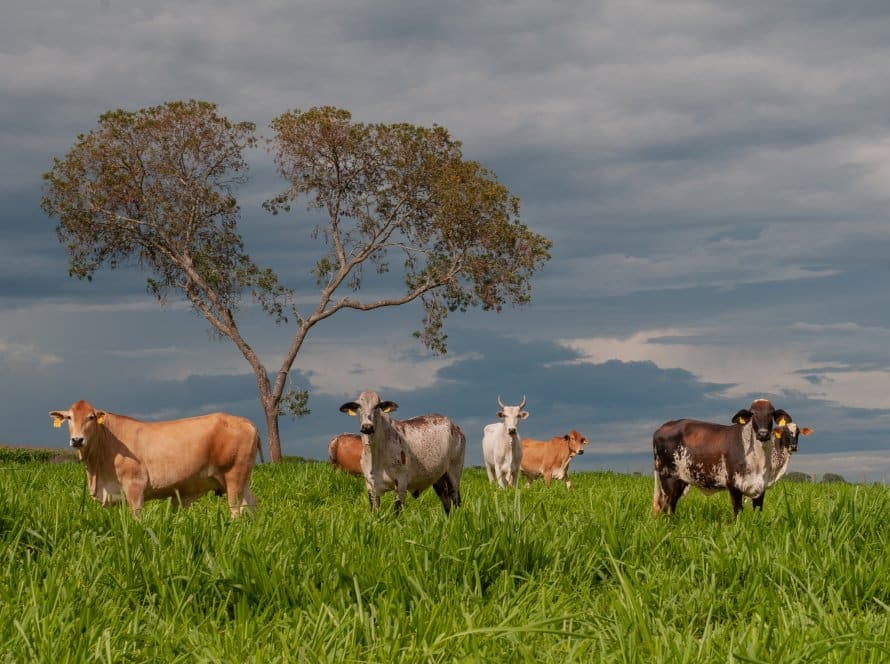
(714, 176)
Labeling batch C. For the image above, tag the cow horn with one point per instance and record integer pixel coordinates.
(523, 402)
(500, 403)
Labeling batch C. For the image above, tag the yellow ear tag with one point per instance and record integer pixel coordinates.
(742, 420)
(57, 422)
(351, 412)
(777, 434)
(100, 420)
(386, 410)
(782, 422)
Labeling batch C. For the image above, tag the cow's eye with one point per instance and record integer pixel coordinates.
(91, 417)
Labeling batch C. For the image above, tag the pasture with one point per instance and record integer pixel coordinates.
(541, 575)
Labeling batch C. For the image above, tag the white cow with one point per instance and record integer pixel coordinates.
(407, 455)
(501, 446)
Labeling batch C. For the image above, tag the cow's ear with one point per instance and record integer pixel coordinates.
(388, 406)
(100, 416)
(566, 437)
(742, 416)
(350, 408)
(806, 431)
(781, 417)
(58, 417)
(523, 415)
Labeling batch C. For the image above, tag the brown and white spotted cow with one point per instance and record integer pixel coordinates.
(345, 453)
(183, 459)
(407, 455)
(745, 458)
(550, 458)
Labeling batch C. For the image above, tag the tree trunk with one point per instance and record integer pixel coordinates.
(270, 409)
(272, 434)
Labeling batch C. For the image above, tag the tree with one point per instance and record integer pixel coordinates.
(157, 185)
(833, 478)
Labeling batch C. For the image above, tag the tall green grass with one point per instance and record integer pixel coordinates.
(541, 575)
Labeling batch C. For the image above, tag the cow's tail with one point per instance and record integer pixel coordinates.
(657, 496)
(332, 450)
(259, 444)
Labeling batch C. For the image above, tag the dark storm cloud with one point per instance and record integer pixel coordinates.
(714, 176)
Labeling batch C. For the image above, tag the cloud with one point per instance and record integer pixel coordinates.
(22, 354)
(782, 365)
(713, 174)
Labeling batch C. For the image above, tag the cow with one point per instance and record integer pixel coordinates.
(131, 460)
(550, 459)
(407, 455)
(501, 446)
(345, 453)
(745, 458)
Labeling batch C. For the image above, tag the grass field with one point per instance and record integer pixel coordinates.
(544, 574)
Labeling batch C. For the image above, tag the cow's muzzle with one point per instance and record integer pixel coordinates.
(580, 451)
(367, 428)
(512, 432)
(77, 443)
(763, 435)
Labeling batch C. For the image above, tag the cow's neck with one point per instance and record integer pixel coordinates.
(383, 434)
(780, 457)
(98, 459)
(765, 457)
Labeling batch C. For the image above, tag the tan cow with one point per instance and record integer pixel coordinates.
(345, 453)
(550, 459)
(183, 459)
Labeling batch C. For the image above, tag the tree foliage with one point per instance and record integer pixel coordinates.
(403, 195)
(157, 187)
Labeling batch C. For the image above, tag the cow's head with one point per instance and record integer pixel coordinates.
(786, 435)
(83, 423)
(576, 442)
(511, 415)
(369, 408)
(761, 415)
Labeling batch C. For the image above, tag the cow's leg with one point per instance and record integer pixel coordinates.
(736, 497)
(401, 490)
(134, 493)
(444, 490)
(489, 470)
(660, 494)
(248, 500)
(565, 478)
(504, 476)
(235, 484)
(514, 475)
(758, 502)
(181, 502)
(548, 476)
(453, 476)
(671, 491)
(374, 499)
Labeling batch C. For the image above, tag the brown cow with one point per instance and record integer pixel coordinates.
(345, 453)
(745, 458)
(183, 459)
(550, 459)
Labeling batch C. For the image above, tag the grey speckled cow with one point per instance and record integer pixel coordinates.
(407, 455)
